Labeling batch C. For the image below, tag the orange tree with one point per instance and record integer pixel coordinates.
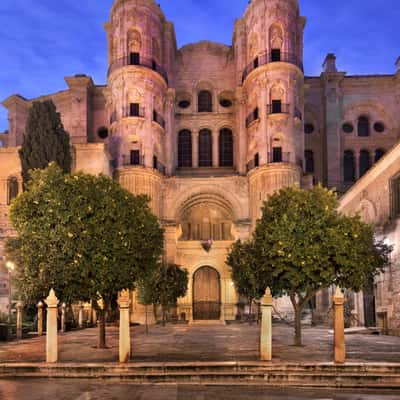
(302, 244)
(83, 235)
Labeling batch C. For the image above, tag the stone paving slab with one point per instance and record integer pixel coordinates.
(236, 342)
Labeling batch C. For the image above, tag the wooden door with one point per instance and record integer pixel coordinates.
(206, 294)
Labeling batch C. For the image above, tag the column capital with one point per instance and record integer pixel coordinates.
(52, 301)
(338, 297)
(124, 299)
(267, 299)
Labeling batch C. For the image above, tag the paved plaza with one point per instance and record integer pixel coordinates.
(236, 342)
(100, 390)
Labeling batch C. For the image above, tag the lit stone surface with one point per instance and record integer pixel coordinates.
(51, 328)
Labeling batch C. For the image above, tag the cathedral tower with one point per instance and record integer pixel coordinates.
(269, 51)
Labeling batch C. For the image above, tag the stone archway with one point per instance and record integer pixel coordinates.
(206, 294)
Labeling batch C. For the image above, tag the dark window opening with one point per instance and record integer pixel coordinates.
(135, 157)
(365, 162)
(308, 128)
(277, 154)
(363, 127)
(134, 110)
(349, 169)
(276, 106)
(135, 59)
(205, 148)
(256, 160)
(275, 55)
(225, 148)
(379, 153)
(255, 63)
(12, 189)
(184, 104)
(102, 133)
(225, 103)
(204, 101)
(154, 65)
(309, 158)
(347, 128)
(256, 114)
(155, 162)
(379, 127)
(185, 149)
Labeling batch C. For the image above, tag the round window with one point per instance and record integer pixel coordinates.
(308, 128)
(102, 133)
(347, 128)
(379, 127)
(184, 104)
(225, 103)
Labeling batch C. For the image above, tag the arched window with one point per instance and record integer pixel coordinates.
(309, 158)
(365, 162)
(12, 189)
(225, 148)
(363, 126)
(379, 153)
(395, 194)
(349, 169)
(185, 149)
(204, 101)
(205, 148)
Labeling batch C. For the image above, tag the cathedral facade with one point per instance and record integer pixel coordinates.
(210, 131)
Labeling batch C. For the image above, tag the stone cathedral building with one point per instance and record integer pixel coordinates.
(210, 131)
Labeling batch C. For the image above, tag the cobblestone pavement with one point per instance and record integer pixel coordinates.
(236, 342)
(90, 390)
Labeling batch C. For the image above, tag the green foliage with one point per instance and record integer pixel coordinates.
(45, 140)
(83, 235)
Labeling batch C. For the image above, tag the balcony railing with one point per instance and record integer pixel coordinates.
(253, 116)
(158, 119)
(131, 161)
(267, 58)
(278, 158)
(129, 112)
(278, 109)
(143, 62)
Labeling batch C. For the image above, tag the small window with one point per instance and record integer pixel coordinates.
(349, 168)
(379, 127)
(255, 63)
(276, 106)
(363, 126)
(184, 104)
(395, 194)
(154, 65)
(276, 154)
(134, 110)
(256, 160)
(205, 148)
(275, 55)
(309, 158)
(135, 59)
(308, 128)
(225, 148)
(256, 113)
(379, 153)
(204, 101)
(365, 162)
(225, 103)
(135, 157)
(347, 128)
(12, 189)
(102, 133)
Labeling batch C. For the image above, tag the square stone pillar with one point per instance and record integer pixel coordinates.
(338, 326)
(266, 327)
(51, 332)
(124, 329)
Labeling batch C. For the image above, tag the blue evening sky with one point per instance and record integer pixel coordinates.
(41, 41)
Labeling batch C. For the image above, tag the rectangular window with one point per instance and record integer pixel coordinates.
(276, 106)
(277, 154)
(155, 162)
(134, 110)
(135, 157)
(275, 55)
(134, 59)
(255, 63)
(256, 160)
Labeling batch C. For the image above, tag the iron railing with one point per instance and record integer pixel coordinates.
(158, 119)
(279, 158)
(278, 109)
(129, 161)
(253, 116)
(267, 58)
(128, 112)
(142, 62)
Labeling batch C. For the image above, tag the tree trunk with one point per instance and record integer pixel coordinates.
(163, 315)
(249, 317)
(147, 324)
(298, 307)
(101, 325)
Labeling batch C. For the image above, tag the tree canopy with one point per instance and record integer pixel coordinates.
(83, 235)
(302, 244)
(45, 140)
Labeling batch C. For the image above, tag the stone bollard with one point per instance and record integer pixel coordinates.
(63, 309)
(19, 320)
(80, 315)
(51, 333)
(266, 327)
(124, 330)
(338, 327)
(40, 319)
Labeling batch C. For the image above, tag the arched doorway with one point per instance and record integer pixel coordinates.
(206, 294)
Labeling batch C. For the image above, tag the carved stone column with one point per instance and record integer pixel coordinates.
(266, 327)
(51, 332)
(124, 329)
(338, 326)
